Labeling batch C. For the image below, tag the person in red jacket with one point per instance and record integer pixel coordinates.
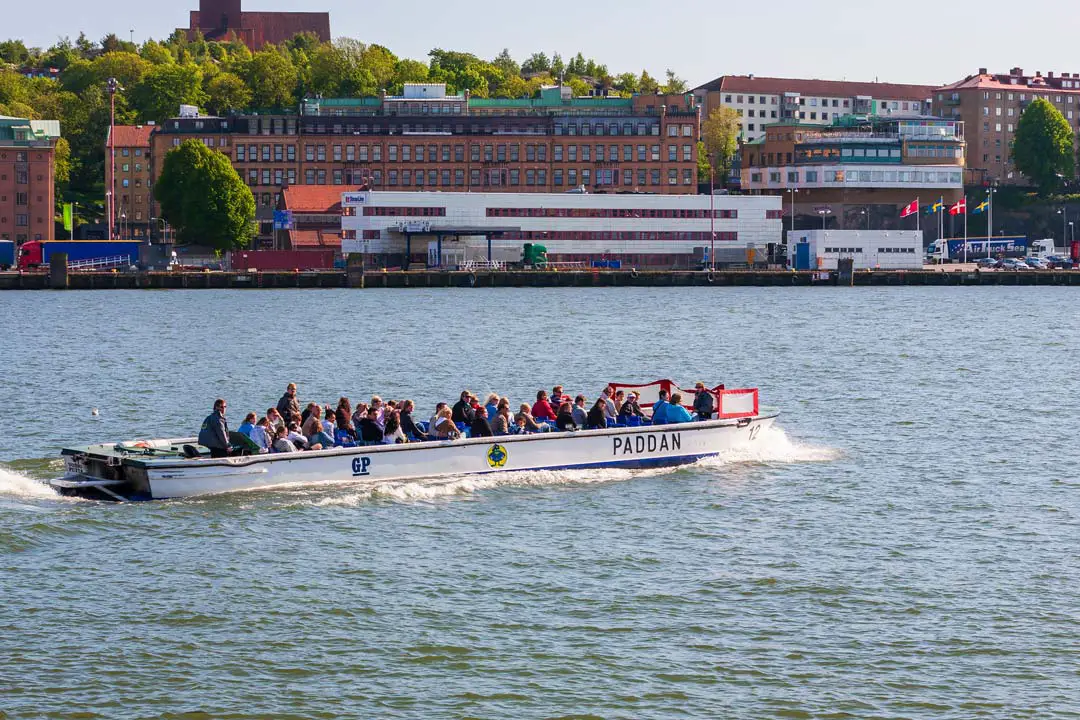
(542, 409)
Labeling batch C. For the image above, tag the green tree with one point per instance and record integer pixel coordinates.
(703, 166)
(271, 77)
(408, 71)
(164, 89)
(1042, 148)
(558, 67)
(719, 136)
(14, 52)
(156, 54)
(674, 84)
(226, 92)
(537, 63)
(202, 195)
(647, 84)
(506, 63)
(128, 68)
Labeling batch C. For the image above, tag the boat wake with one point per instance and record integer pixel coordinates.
(773, 447)
(14, 484)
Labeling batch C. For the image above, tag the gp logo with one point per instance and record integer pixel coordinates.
(360, 466)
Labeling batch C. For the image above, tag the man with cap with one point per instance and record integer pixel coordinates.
(703, 401)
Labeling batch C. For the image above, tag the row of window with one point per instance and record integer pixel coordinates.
(128, 152)
(887, 176)
(661, 235)
(561, 127)
(824, 102)
(379, 211)
(609, 213)
(22, 177)
(21, 220)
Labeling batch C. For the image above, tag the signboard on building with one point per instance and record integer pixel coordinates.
(353, 199)
(283, 220)
(351, 246)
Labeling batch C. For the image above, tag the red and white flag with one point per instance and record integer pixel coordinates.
(959, 207)
(911, 208)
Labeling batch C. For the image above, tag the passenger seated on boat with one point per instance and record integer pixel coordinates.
(565, 419)
(675, 412)
(434, 418)
(313, 423)
(343, 417)
(610, 411)
(307, 413)
(581, 415)
(248, 424)
(262, 435)
(300, 441)
(380, 411)
(328, 421)
(659, 409)
(276, 422)
(393, 433)
(288, 406)
(557, 397)
(444, 427)
(704, 403)
(518, 428)
(370, 432)
(359, 413)
(320, 440)
(408, 425)
(620, 398)
(492, 406)
(500, 424)
(597, 417)
(630, 407)
(281, 442)
(527, 420)
(542, 409)
(480, 426)
(462, 411)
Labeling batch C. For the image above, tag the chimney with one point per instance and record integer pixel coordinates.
(1050, 75)
(1038, 73)
(982, 71)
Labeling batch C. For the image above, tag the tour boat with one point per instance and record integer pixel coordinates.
(168, 468)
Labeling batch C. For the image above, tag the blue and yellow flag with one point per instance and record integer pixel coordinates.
(936, 207)
(981, 207)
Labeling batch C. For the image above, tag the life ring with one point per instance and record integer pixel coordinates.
(472, 279)
(709, 277)
(633, 272)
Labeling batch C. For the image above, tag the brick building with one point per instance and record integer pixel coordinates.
(224, 19)
(131, 184)
(760, 101)
(27, 174)
(990, 105)
(858, 172)
(428, 140)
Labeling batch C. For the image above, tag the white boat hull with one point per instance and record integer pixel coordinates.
(637, 447)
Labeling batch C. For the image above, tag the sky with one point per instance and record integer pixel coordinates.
(699, 40)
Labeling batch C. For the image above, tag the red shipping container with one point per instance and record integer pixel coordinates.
(282, 259)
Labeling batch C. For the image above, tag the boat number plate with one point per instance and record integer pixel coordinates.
(360, 466)
(75, 465)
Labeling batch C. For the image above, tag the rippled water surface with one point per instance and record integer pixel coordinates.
(904, 545)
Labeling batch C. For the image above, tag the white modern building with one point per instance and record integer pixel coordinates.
(760, 101)
(641, 230)
(870, 249)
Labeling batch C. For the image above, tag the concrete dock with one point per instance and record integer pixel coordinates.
(519, 278)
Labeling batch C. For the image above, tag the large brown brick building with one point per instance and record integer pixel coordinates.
(990, 105)
(428, 140)
(27, 170)
(224, 19)
(131, 184)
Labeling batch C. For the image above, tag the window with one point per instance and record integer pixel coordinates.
(515, 177)
(572, 177)
(392, 153)
(687, 153)
(515, 152)
(586, 153)
(241, 153)
(655, 153)
(337, 177)
(21, 198)
(321, 177)
(530, 177)
(279, 153)
(557, 153)
(558, 177)
(337, 153)
(290, 153)
(406, 153)
(309, 152)
(392, 177)
(572, 153)
(628, 153)
(376, 156)
(320, 153)
(672, 152)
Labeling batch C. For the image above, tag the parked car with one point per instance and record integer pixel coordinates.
(1037, 263)
(987, 263)
(1014, 264)
(1059, 261)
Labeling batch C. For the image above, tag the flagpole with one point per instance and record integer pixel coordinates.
(918, 212)
(989, 220)
(965, 230)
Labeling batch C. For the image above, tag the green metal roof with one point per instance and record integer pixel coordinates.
(29, 131)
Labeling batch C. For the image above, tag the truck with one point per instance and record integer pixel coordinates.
(7, 254)
(99, 254)
(1003, 246)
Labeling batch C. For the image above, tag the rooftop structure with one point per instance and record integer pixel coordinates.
(224, 20)
(27, 170)
(763, 100)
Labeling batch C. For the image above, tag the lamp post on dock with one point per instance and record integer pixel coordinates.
(112, 86)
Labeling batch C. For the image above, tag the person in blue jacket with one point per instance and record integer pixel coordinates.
(675, 412)
(659, 409)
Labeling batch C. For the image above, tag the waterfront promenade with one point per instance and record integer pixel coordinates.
(524, 278)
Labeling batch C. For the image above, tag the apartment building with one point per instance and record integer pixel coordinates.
(127, 149)
(761, 101)
(27, 169)
(427, 139)
(857, 173)
(990, 105)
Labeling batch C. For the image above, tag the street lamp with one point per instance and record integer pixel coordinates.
(1063, 212)
(990, 218)
(1072, 233)
(164, 227)
(112, 86)
(712, 217)
(123, 223)
(823, 212)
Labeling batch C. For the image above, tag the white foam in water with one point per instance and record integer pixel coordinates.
(13, 484)
(771, 446)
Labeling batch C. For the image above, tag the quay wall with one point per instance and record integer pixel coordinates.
(520, 278)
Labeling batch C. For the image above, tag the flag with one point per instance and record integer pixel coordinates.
(911, 208)
(936, 207)
(67, 216)
(959, 207)
(981, 207)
